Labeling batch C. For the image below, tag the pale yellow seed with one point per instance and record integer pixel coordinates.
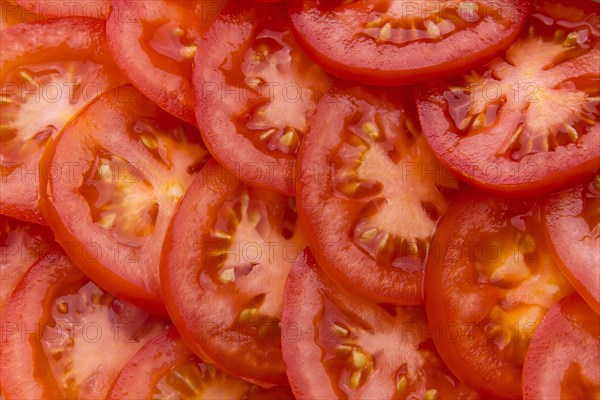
(340, 330)
(26, 77)
(267, 134)
(105, 172)
(411, 246)
(386, 32)
(433, 29)
(573, 135)
(343, 350)
(371, 129)
(431, 394)
(150, 142)
(254, 83)
(227, 276)
(479, 121)
(178, 32)
(222, 235)
(174, 190)
(370, 234)
(107, 220)
(401, 384)
(359, 359)
(248, 313)
(188, 52)
(572, 38)
(63, 307)
(287, 138)
(375, 23)
(355, 379)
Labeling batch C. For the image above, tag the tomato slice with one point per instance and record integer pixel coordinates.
(572, 221)
(528, 122)
(166, 368)
(78, 8)
(49, 71)
(153, 41)
(489, 280)
(387, 42)
(225, 261)
(563, 358)
(64, 337)
(255, 91)
(339, 345)
(109, 198)
(21, 246)
(370, 193)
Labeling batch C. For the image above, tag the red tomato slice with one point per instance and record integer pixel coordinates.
(255, 91)
(49, 71)
(339, 345)
(225, 261)
(387, 42)
(489, 280)
(166, 368)
(67, 8)
(562, 361)
(21, 245)
(153, 41)
(528, 122)
(109, 198)
(572, 220)
(64, 337)
(370, 193)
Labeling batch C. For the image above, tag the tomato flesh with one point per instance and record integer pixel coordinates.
(255, 91)
(64, 337)
(224, 266)
(397, 41)
(489, 281)
(527, 123)
(113, 220)
(562, 360)
(339, 345)
(572, 227)
(383, 193)
(49, 72)
(166, 368)
(153, 42)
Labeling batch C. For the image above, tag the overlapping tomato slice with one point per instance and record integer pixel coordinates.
(489, 280)
(110, 185)
(337, 345)
(166, 368)
(49, 71)
(528, 122)
(255, 91)
(387, 42)
(370, 193)
(65, 337)
(154, 43)
(562, 361)
(225, 262)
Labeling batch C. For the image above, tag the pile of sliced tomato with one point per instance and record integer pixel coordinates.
(300, 199)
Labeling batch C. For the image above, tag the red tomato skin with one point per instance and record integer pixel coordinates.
(541, 174)
(403, 72)
(557, 345)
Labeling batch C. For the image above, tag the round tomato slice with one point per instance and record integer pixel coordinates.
(153, 41)
(370, 193)
(110, 184)
(562, 361)
(255, 91)
(572, 221)
(21, 246)
(166, 368)
(526, 123)
(225, 261)
(387, 42)
(64, 337)
(339, 345)
(489, 280)
(49, 71)
(66, 8)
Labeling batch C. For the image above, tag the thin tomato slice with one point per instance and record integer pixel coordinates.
(489, 280)
(153, 41)
(370, 193)
(528, 122)
(110, 185)
(225, 261)
(166, 368)
(21, 246)
(563, 360)
(64, 337)
(339, 345)
(66, 8)
(255, 91)
(572, 221)
(49, 71)
(386, 42)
